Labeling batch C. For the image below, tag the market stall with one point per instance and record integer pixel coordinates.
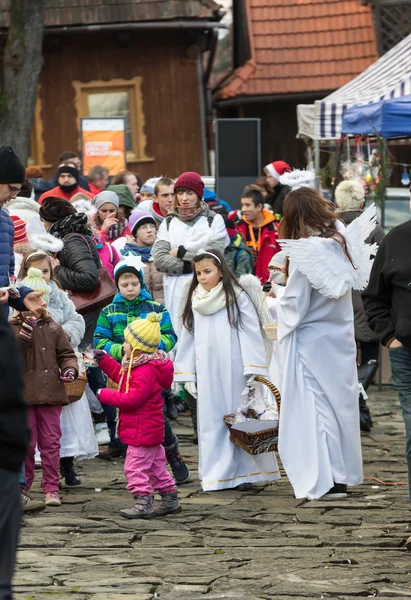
(389, 77)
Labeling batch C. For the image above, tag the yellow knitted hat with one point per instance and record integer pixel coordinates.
(144, 334)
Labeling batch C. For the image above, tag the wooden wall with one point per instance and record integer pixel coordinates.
(170, 95)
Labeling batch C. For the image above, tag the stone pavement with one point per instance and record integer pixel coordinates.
(249, 545)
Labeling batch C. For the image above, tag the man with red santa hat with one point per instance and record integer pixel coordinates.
(273, 171)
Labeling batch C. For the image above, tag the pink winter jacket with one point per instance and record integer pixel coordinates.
(141, 420)
(109, 257)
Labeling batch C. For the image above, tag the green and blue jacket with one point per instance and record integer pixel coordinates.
(114, 318)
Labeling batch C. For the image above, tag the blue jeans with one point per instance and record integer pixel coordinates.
(170, 440)
(400, 360)
(22, 478)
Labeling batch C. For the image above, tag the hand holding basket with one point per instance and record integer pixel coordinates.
(262, 441)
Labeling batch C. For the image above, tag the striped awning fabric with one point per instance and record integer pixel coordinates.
(388, 77)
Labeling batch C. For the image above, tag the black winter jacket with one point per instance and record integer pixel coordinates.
(79, 260)
(387, 299)
(276, 198)
(14, 433)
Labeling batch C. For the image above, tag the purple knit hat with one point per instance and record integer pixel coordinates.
(139, 218)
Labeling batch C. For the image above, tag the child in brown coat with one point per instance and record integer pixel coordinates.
(49, 363)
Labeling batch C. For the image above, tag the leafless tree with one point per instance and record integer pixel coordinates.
(19, 73)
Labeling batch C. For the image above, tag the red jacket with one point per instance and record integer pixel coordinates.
(57, 192)
(141, 409)
(94, 189)
(264, 245)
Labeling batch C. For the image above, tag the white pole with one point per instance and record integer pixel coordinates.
(317, 161)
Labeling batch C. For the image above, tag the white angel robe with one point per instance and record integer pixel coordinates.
(319, 437)
(220, 359)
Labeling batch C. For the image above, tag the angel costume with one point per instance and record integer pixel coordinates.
(319, 438)
(220, 358)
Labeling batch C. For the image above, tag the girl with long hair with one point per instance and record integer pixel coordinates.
(220, 347)
(319, 439)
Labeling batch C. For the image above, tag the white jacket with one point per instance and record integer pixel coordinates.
(28, 210)
(62, 310)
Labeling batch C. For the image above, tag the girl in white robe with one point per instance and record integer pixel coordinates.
(219, 349)
(319, 437)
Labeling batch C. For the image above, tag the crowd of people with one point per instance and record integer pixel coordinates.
(157, 291)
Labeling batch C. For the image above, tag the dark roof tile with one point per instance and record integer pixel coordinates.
(95, 12)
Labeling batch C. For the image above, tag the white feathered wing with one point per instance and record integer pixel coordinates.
(324, 263)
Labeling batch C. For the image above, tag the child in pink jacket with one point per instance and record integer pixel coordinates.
(145, 371)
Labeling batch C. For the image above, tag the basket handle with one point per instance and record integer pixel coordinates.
(272, 389)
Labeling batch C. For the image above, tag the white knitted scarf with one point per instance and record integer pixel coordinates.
(209, 302)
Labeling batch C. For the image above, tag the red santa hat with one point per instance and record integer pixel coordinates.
(277, 168)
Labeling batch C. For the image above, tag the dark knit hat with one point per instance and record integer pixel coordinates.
(53, 209)
(191, 181)
(11, 167)
(70, 170)
(124, 195)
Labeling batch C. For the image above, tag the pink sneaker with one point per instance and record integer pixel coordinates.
(52, 499)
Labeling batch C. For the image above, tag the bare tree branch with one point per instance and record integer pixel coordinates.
(22, 62)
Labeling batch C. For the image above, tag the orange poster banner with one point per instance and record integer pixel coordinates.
(103, 144)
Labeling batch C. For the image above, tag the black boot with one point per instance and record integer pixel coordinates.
(169, 400)
(68, 471)
(180, 470)
(366, 373)
(365, 415)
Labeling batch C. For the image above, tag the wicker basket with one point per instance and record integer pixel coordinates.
(270, 328)
(112, 385)
(76, 388)
(260, 442)
(271, 331)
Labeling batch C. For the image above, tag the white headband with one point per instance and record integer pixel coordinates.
(200, 252)
(36, 253)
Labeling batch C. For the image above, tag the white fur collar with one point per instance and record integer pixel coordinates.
(47, 242)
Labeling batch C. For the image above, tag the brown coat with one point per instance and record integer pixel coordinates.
(154, 281)
(47, 354)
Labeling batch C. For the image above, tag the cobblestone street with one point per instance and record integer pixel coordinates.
(230, 544)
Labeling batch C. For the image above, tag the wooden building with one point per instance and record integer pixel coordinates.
(288, 52)
(141, 59)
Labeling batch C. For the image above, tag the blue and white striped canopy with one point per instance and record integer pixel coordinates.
(388, 77)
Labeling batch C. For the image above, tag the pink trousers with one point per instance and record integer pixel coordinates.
(44, 423)
(145, 471)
